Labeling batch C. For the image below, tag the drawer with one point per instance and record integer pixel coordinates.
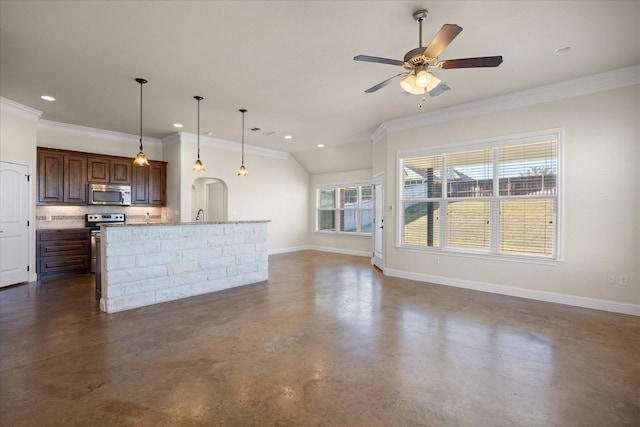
(67, 264)
(63, 247)
(69, 234)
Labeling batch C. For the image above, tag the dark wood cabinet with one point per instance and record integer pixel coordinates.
(50, 177)
(140, 185)
(109, 170)
(120, 170)
(98, 169)
(149, 184)
(63, 176)
(75, 179)
(62, 252)
(158, 184)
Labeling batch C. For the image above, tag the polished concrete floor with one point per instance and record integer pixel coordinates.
(328, 341)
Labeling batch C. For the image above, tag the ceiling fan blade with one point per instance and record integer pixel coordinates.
(384, 83)
(366, 58)
(485, 61)
(442, 87)
(447, 33)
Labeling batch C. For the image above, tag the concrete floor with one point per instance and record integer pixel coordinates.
(328, 341)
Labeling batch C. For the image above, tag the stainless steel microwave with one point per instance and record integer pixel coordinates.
(107, 194)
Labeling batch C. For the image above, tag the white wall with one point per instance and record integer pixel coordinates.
(277, 188)
(172, 154)
(18, 145)
(601, 201)
(332, 242)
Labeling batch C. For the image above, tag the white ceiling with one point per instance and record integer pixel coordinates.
(289, 63)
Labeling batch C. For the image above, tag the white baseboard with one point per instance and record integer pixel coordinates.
(321, 249)
(593, 303)
(339, 251)
(287, 250)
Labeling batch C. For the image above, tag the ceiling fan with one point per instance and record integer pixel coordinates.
(420, 60)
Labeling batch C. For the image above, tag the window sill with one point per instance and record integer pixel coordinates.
(479, 255)
(343, 233)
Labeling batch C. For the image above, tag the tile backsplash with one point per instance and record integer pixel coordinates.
(73, 216)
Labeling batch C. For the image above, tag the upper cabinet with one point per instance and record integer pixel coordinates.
(74, 179)
(109, 170)
(63, 177)
(50, 177)
(149, 184)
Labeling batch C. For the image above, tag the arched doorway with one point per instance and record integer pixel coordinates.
(208, 200)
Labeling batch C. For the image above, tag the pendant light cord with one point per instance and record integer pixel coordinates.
(198, 98)
(243, 136)
(141, 83)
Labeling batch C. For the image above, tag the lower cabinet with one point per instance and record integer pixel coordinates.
(63, 252)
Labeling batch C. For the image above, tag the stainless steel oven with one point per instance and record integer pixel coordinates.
(107, 194)
(93, 222)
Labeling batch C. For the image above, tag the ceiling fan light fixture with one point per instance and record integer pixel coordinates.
(434, 82)
(409, 85)
(423, 78)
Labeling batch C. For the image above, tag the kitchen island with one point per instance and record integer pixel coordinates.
(146, 264)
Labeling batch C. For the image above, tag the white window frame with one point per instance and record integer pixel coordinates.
(493, 143)
(358, 210)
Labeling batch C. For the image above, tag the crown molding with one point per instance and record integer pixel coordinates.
(192, 138)
(69, 129)
(562, 90)
(17, 109)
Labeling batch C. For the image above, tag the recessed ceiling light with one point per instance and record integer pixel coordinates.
(320, 145)
(177, 125)
(288, 137)
(209, 133)
(48, 98)
(563, 50)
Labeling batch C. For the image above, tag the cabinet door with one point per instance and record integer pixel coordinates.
(75, 179)
(120, 171)
(98, 169)
(50, 177)
(158, 184)
(140, 185)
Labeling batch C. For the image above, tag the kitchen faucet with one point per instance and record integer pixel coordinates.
(200, 211)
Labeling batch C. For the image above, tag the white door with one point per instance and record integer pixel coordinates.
(378, 221)
(14, 223)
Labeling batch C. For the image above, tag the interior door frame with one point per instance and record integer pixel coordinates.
(377, 250)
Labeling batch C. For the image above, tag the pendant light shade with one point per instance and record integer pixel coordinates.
(243, 170)
(198, 166)
(141, 159)
(409, 85)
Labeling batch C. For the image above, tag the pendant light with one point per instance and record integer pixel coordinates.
(198, 166)
(141, 159)
(243, 171)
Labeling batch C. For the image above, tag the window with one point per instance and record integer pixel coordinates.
(345, 209)
(498, 198)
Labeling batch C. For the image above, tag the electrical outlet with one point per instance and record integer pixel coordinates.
(611, 278)
(48, 218)
(623, 280)
(436, 260)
